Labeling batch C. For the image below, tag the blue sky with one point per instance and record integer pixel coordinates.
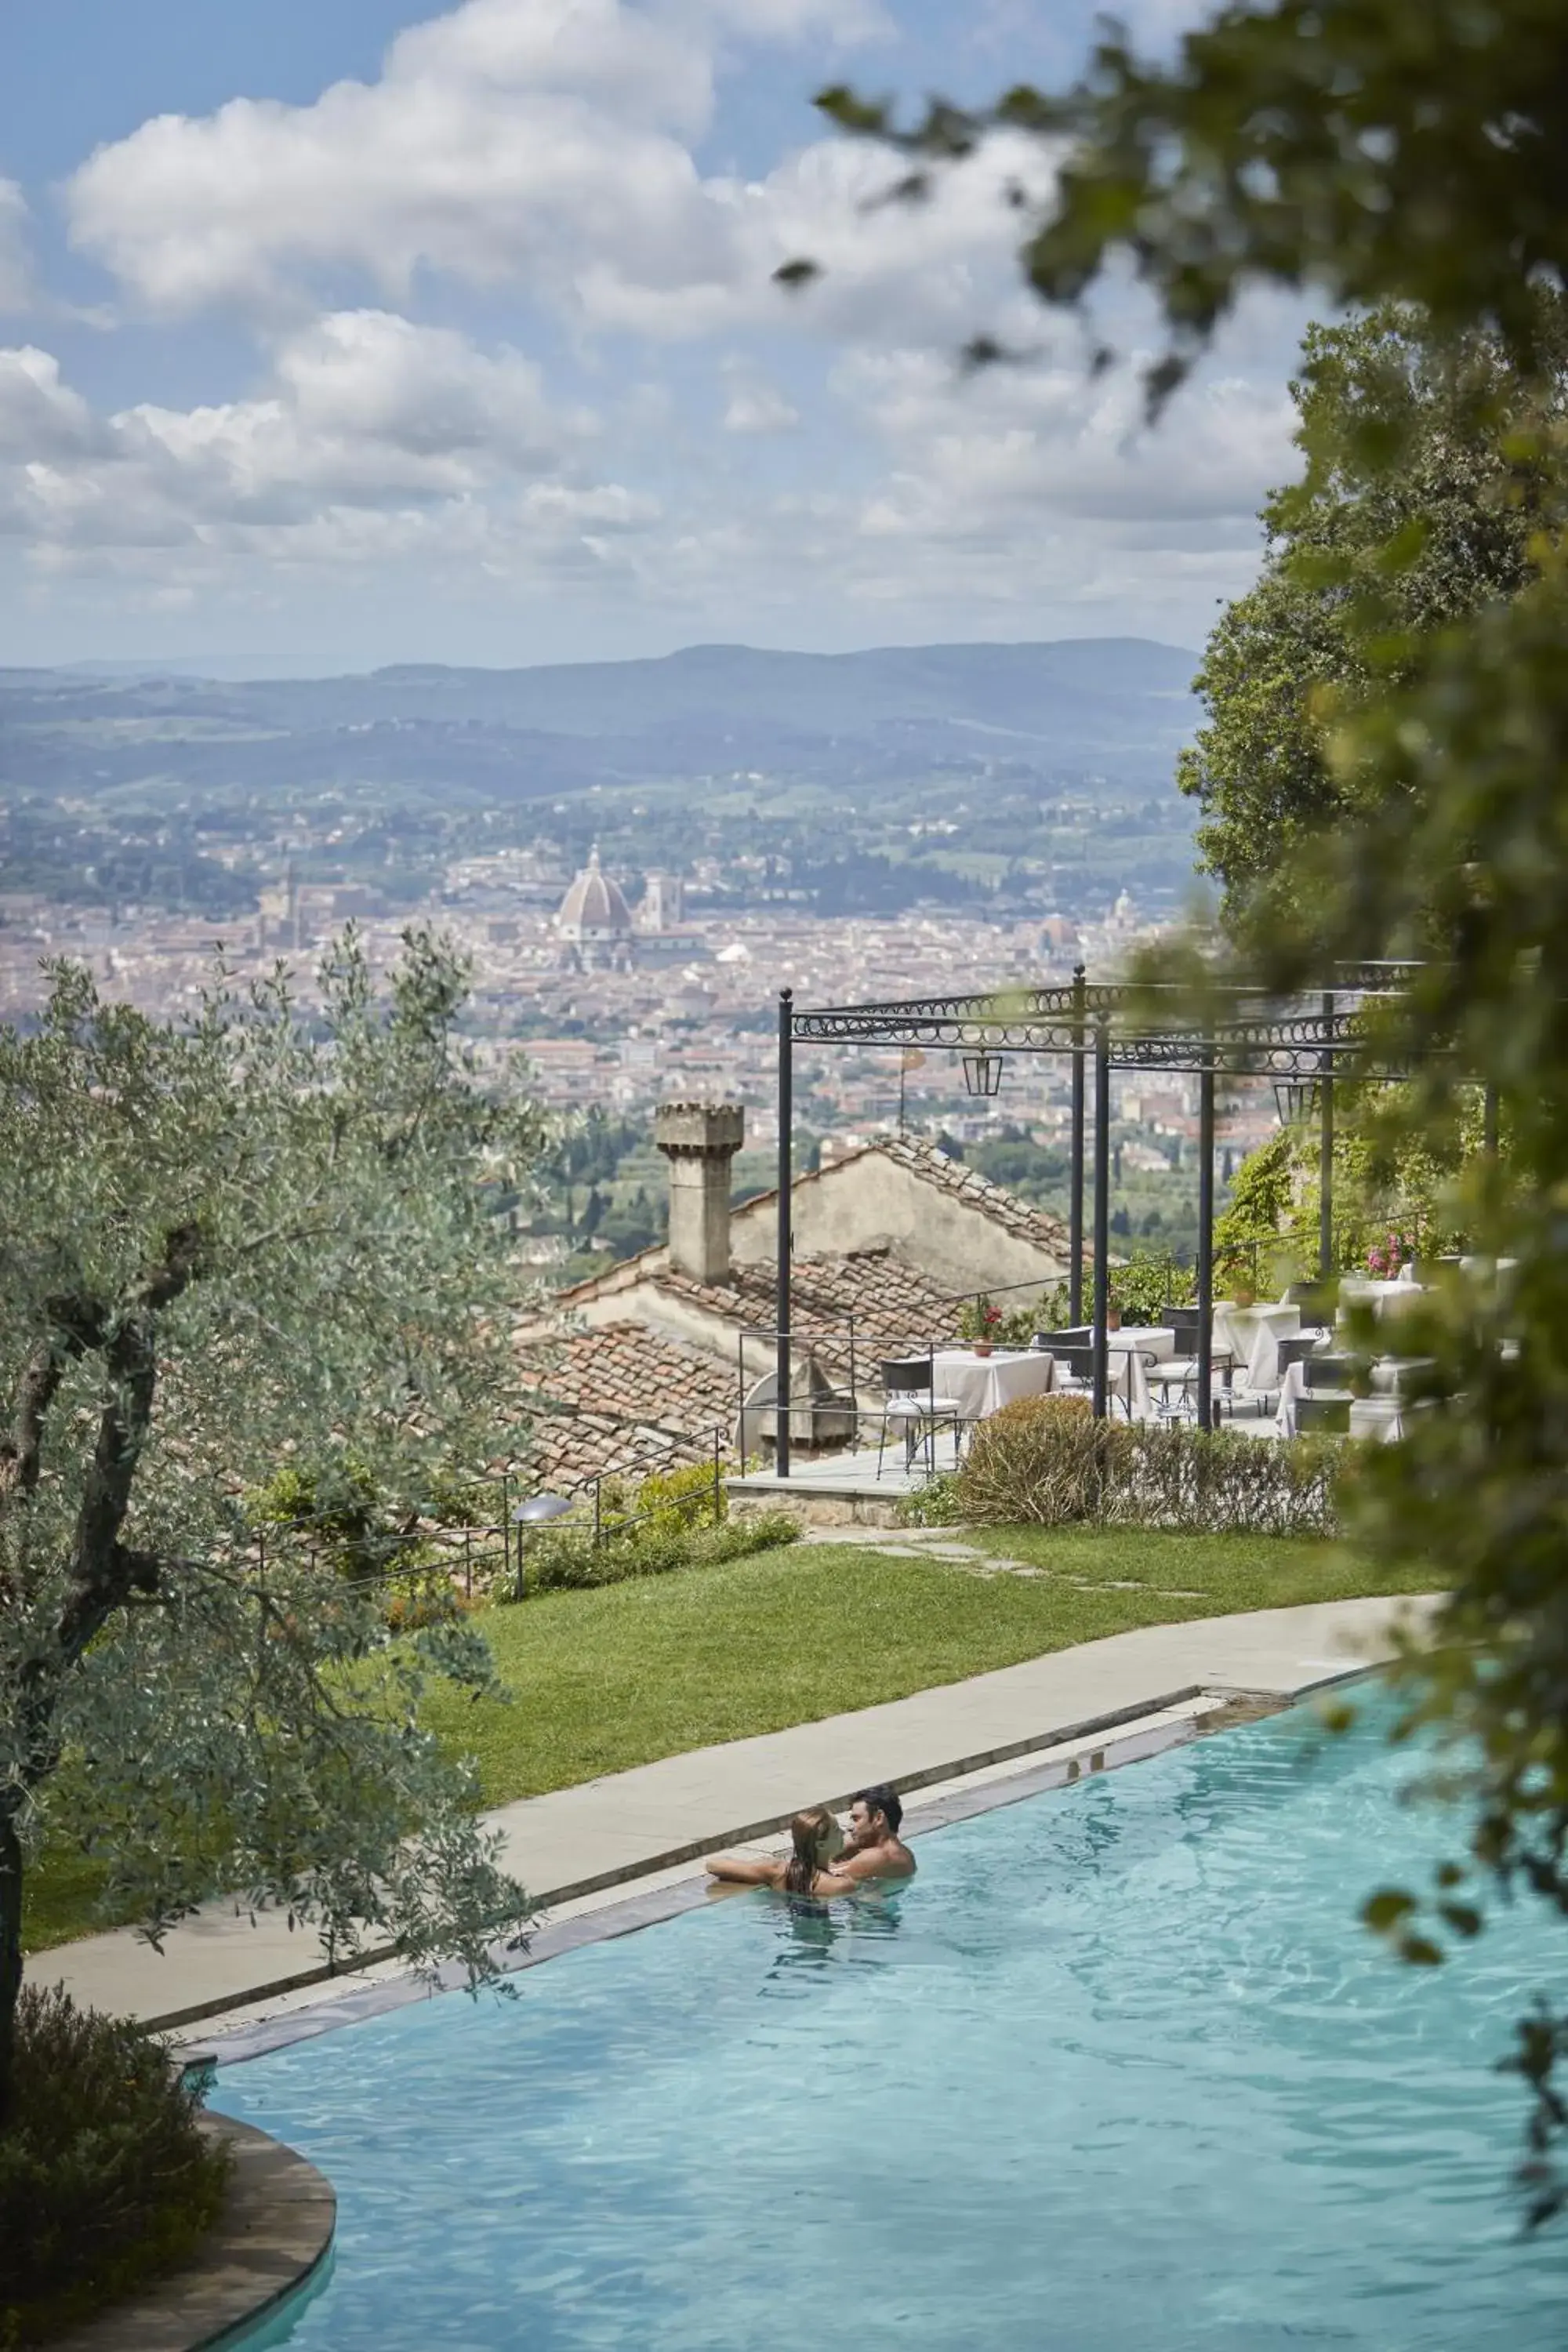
(337, 332)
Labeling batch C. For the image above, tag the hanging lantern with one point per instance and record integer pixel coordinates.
(1296, 1100)
(983, 1073)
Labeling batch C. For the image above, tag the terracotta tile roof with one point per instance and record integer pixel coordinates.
(623, 1398)
(893, 1305)
(609, 1397)
(617, 1396)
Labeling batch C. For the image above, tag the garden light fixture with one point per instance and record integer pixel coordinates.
(536, 1512)
(1295, 1099)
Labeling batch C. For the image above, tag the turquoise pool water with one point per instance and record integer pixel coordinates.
(1117, 2074)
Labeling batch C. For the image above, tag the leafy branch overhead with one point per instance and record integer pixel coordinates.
(1367, 150)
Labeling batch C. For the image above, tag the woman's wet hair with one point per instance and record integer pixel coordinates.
(809, 1829)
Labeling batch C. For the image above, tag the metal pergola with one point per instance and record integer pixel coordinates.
(1310, 1040)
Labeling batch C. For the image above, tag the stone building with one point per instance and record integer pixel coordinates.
(678, 1345)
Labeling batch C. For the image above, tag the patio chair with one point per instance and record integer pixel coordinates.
(1325, 1372)
(1074, 1374)
(1317, 1302)
(1296, 1348)
(1326, 1412)
(1174, 1384)
(911, 1403)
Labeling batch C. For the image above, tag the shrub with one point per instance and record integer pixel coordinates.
(565, 1556)
(1046, 1462)
(934, 1505)
(106, 2178)
(673, 1500)
(433, 1603)
(1033, 1460)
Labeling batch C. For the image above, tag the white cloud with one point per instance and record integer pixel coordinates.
(970, 455)
(41, 418)
(759, 408)
(498, 142)
(367, 427)
(16, 286)
(544, 151)
(543, 145)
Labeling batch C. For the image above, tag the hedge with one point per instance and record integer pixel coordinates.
(1046, 1462)
(566, 1557)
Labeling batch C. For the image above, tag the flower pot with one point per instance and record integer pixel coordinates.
(1113, 1319)
(983, 1347)
(1244, 1296)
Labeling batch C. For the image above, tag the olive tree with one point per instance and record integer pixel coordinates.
(258, 1237)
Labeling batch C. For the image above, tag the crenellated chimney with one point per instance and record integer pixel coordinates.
(699, 1140)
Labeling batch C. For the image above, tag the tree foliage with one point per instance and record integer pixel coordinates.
(256, 1239)
(1386, 1177)
(1411, 152)
(1430, 467)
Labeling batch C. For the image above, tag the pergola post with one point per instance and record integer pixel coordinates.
(1326, 1152)
(786, 1180)
(1207, 1245)
(1075, 1200)
(1102, 1218)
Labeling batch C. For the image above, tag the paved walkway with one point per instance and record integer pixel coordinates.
(609, 1831)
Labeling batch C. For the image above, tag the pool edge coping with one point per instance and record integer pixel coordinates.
(1141, 1736)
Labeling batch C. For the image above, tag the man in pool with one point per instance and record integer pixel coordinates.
(873, 1848)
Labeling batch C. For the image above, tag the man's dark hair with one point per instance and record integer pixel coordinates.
(882, 1800)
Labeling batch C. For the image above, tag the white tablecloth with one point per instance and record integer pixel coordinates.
(1129, 1378)
(1252, 1335)
(1384, 1298)
(980, 1384)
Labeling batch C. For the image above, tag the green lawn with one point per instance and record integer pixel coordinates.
(604, 1680)
(608, 1679)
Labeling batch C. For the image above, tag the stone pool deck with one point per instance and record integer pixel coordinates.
(576, 1842)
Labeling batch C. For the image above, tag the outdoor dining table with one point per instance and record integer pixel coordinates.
(1384, 1298)
(981, 1384)
(1252, 1336)
(1130, 1379)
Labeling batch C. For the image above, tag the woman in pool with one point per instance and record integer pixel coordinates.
(816, 1844)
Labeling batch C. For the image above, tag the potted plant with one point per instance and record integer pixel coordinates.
(977, 1323)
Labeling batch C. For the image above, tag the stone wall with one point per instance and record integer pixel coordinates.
(871, 1200)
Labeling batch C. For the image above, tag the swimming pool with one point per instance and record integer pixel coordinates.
(1118, 2071)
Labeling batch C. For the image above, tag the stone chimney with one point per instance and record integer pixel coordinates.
(699, 1140)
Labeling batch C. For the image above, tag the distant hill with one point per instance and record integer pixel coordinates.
(1115, 706)
(1031, 690)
